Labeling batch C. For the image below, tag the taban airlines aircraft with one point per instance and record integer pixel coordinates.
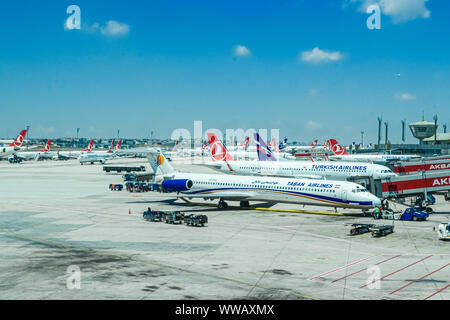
(269, 166)
(340, 154)
(15, 146)
(246, 188)
(36, 155)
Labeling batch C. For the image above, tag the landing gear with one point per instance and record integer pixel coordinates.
(222, 205)
(244, 204)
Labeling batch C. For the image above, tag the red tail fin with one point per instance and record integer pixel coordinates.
(175, 147)
(336, 148)
(314, 143)
(274, 146)
(218, 150)
(118, 145)
(47, 146)
(89, 147)
(19, 140)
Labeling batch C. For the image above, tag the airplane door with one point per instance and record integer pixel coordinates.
(344, 194)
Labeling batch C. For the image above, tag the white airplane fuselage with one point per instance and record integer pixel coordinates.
(275, 189)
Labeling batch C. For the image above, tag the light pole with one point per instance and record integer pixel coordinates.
(28, 134)
(386, 124)
(380, 119)
(403, 130)
(435, 118)
(78, 131)
(362, 139)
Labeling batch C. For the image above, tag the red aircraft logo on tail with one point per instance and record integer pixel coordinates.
(272, 144)
(314, 143)
(47, 146)
(112, 147)
(118, 145)
(218, 150)
(336, 148)
(19, 140)
(89, 147)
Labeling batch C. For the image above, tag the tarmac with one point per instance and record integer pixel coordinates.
(65, 235)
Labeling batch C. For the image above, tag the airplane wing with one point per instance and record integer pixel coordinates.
(226, 195)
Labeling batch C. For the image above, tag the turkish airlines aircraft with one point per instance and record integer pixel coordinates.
(15, 146)
(247, 188)
(74, 154)
(340, 154)
(269, 166)
(36, 155)
(219, 152)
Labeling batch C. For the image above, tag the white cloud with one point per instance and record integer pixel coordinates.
(314, 92)
(241, 51)
(313, 125)
(318, 56)
(405, 96)
(114, 28)
(110, 29)
(399, 10)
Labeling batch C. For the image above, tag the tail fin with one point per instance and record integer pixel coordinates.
(159, 163)
(218, 150)
(19, 140)
(264, 153)
(314, 143)
(336, 148)
(175, 147)
(245, 143)
(89, 147)
(283, 144)
(273, 145)
(47, 146)
(118, 145)
(112, 146)
(204, 145)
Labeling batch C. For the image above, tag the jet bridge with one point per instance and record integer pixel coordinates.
(426, 182)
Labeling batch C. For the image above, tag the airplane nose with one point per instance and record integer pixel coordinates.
(376, 202)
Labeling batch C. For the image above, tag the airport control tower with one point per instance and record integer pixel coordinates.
(423, 129)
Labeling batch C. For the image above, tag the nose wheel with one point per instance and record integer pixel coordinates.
(222, 205)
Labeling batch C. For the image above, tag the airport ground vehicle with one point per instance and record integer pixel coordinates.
(173, 217)
(195, 220)
(444, 231)
(154, 216)
(123, 168)
(412, 213)
(137, 186)
(116, 187)
(360, 228)
(381, 231)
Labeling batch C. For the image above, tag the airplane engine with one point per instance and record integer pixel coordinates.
(176, 185)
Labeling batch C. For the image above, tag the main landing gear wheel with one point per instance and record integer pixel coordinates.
(244, 204)
(222, 205)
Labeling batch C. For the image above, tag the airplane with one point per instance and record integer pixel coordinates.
(339, 153)
(11, 149)
(219, 152)
(186, 152)
(102, 156)
(64, 155)
(247, 188)
(313, 148)
(96, 157)
(36, 155)
(269, 166)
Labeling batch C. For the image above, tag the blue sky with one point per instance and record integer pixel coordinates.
(160, 65)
